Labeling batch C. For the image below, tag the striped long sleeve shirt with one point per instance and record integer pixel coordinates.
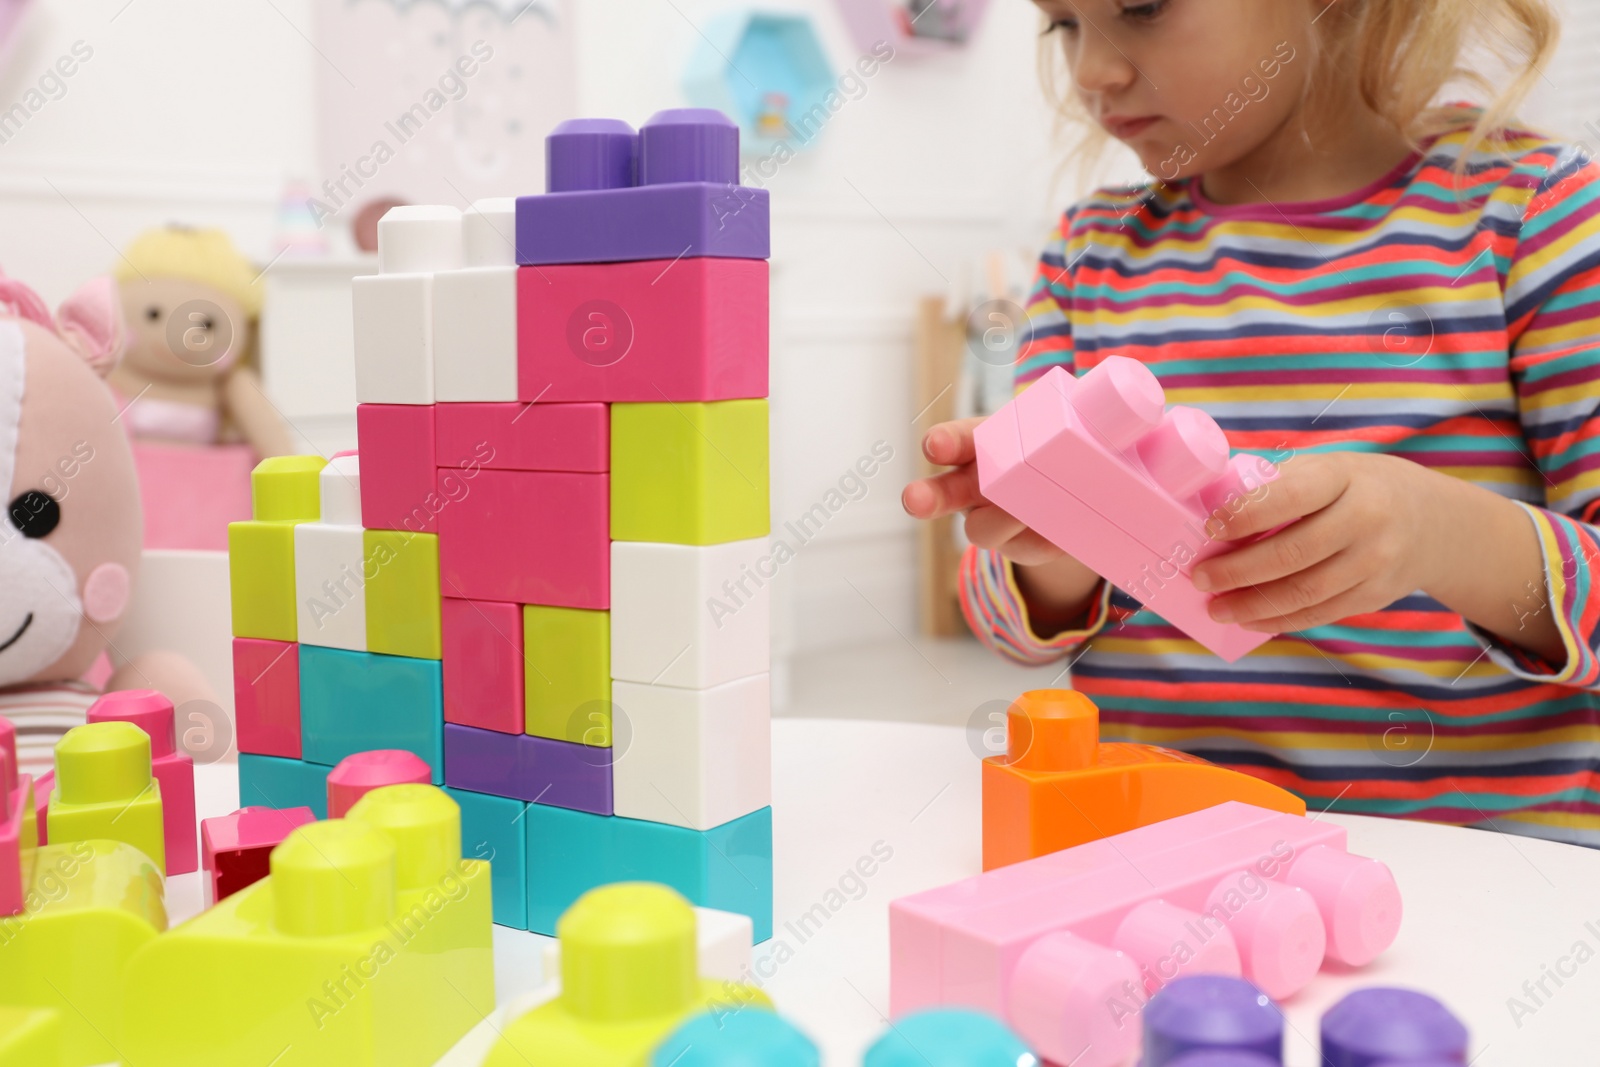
(1450, 319)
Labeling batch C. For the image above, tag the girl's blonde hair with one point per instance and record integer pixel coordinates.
(1403, 53)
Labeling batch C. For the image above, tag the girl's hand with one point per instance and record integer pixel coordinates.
(1365, 537)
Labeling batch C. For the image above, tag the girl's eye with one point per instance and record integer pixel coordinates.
(1068, 25)
(1145, 12)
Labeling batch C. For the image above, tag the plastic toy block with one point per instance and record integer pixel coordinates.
(527, 537)
(15, 812)
(714, 599)
(683, 198)
(489, 233)
(491, 830)
(402, 593)
(1059, 786)
(43, 787)
(1101, 470)
(655, 329)
(420, 238)
(339, 486)
(360, 774)
(628, 980)
(689, 474)
(948, 1037)
(571, 852)
(30, 1037)
(526, 437)
(287, 489)
(1233, 1059)
(330, 596)
(728, 1038)
(266, 697)
(723, 945)
(393, 338)
(261, 580)
(369, 944)
(398, 483)
(1061, 946)
(1211, 1013)
(235, 849)
(696, 758)
(19, 795)
(475, 334)
(172, 768)
(275, 782)
(536, 769)
(357, 701)
(482, 651)
(567, 684)
(104, 789)
(1374, 1027)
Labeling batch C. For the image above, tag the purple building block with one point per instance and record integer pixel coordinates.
(671, 190)
(1371, 1027)
(1211, 1013)
(1224, 1058)
(562, 774)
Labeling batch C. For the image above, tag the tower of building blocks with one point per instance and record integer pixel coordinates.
(1068, 947)
(173, 769)
(105, 789)
(1059, 786)
(1106, 474)
(543, 573)
(236, 849)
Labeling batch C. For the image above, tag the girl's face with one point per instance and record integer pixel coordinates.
(1189, 85)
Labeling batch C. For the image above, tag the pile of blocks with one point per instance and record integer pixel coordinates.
(537, 572)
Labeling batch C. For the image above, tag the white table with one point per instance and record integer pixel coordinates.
(1484, 912)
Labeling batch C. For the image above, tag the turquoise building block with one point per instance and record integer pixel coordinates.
(276, 782)
(357, 701)
(740, 1038)
(492, 830)
(728, 867)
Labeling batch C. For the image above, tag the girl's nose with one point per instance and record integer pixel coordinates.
(1098, 65)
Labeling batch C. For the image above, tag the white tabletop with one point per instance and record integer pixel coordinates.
(1484, 912)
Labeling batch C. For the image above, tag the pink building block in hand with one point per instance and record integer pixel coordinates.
(266, 696)
(483, 665)
(236, 849)
(360, 774)
(1068, 947)
(1103, 471)
(524, 437)
(398, 489)
(152, 712)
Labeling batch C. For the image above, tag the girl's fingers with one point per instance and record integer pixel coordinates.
(1289, 551)
(943, 494)
(1030, 549)
(949, 444)
(1304, 485)
(989, 527)
(1357, 600)
(1298, 596)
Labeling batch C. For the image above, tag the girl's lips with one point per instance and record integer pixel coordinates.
(1124, 128)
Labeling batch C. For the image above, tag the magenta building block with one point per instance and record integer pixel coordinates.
(483, 665)
(562, 774)
(172, 768)
(361, 773)
(1214, 1013)
(528, 537)
(236, 849)
(266, 696)
(1376, 1026)
(8, 745)
(398, 489)
(687, 200)
(43, 786)
(647, 330)
(525, 437)
(13, 893)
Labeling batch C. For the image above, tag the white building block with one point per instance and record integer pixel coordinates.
(489, 233)
(329, 590)
(339, 486)
(723, 940)
(419, 238)
(690, 615)
(394, 338)
(475, 334)
(692, 757)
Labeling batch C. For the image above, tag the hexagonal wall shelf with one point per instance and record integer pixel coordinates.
(912, 27)
(767, 70)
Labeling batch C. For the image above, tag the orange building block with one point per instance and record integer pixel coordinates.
(1058, 785)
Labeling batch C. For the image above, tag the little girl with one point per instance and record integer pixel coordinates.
(1399, 304)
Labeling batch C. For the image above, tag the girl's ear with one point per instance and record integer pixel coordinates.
(90, 321)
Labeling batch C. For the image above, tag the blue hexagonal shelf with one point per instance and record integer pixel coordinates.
(767, 70)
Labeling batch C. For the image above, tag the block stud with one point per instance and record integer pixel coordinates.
(589, 154)
(1359, 902)
(1052, 730)
(1210, 1013)
(1120, 400)
(425, 826)
(8, 745)
(147, 709)
(287, 489)
(1149, 933)
(1244, 474)
(332, 878)
(1186, 451)
(1373, 1026)
(689, 144)
(360, 774)
(1061, 990)
(102, 762)
(628, 952)
(1280, 934)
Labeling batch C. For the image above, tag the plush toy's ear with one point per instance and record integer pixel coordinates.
(90, 321)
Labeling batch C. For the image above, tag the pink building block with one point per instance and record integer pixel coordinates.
(16, 812)
(1068, 947)
(398, 490)
(528, 537)
(43, 786)
(360, 774)
(1103, 472)
(483, 665)
(11, 782)
(266, 696)
(173, 769)
(236, 849)
(524, 437)
(648, 330)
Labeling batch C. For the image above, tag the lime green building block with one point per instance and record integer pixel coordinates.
(628, 979)
(689, 474)
(369, 944)
(287, 489)
(104, 789)
(284, 490)
(30, 1037)
(567, 674)
(90, 907)
(402, 576)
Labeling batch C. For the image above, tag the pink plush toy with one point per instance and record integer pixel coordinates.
(70, 537)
